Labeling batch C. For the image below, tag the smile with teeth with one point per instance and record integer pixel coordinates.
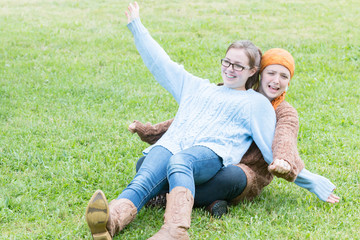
(229, 76)
(273, 88)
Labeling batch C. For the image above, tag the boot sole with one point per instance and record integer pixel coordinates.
(97, 216)
(219, 209)
(102, 236)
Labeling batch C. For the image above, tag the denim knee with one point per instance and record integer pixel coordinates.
(179, 163)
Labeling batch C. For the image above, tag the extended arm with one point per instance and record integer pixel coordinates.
(169, 74)
(318, 185)
(150, 133)
(285, 149)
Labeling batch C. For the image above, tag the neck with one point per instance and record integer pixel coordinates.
(262, 92)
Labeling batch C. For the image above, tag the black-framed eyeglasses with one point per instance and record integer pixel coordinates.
(235, 66)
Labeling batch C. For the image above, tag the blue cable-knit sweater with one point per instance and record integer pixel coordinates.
(223, 119)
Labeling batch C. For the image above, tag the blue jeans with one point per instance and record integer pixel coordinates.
(227, 184)
(160, 168)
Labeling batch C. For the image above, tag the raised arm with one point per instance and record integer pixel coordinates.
(172, 76)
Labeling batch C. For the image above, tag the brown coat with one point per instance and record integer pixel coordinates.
(284, 147)
(256, 169)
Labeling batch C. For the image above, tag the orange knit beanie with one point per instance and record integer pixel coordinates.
(278, 56)
(282, 57)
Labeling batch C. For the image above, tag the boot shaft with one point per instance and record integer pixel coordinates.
(179, 204)
(122, 212)
(177, 217)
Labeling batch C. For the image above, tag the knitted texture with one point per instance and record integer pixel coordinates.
(276, 102)
(256, 169)
(151, 133)
(285, 140)
(284, 147)
(220, 118)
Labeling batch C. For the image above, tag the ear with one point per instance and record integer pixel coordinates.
(253, 71)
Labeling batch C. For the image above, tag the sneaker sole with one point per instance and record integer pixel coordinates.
(219, 209)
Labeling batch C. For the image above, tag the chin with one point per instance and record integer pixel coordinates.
(270, 94)
(226, 84)
(273, 96)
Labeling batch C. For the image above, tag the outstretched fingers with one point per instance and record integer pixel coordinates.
(133, 12)
(333, 198)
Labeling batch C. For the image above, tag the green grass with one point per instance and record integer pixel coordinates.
(71, 81)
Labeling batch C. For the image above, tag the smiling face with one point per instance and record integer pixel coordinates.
(233, 78)
(274, 81)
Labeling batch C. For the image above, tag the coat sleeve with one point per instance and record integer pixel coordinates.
(285, 140)
(151, 133)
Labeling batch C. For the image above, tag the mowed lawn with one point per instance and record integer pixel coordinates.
(71, 81)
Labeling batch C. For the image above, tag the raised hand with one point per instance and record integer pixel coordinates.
(133, 12)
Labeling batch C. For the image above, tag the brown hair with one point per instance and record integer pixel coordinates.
(254, 55)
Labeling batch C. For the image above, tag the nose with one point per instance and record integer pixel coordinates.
(276, 78)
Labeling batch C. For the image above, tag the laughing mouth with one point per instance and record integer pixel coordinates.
(230, 76)
(274, 88)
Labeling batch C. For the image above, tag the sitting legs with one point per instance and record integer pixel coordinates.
(214, 194)
(194, 165)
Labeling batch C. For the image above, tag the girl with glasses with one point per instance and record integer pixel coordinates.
(214, 127)
(228, 185)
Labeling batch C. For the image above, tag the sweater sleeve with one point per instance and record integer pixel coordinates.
(285, 140)
(316, 184)
(169, 74)
(263, 126)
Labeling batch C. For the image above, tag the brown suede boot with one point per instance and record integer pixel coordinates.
(97, 216)
(177, 217)
(122, 212)
(107, 220)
